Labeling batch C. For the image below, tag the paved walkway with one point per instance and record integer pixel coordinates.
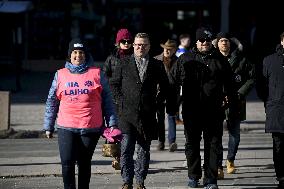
(34, 163)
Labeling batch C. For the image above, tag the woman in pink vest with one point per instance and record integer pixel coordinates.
(81, 101)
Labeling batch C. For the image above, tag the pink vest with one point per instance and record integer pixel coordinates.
(80, 99)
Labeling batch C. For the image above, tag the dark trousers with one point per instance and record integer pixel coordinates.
(212, 130)
(278, 155)
(75, 148)
(161, 122)
(129, 167)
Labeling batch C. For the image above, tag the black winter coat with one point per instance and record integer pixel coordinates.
(244, 80)
(138, 99)
(206, 80)
(109, 67)
(172, 105)
(273, 90)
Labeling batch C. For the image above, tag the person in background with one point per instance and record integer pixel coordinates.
(244, 79)
(137, 82)
(171, 104)
(270, 88)
(80, 99)
(206, 81)
(123, 48)
(184, 46)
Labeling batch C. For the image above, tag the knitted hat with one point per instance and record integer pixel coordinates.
(223, 35)
(76, 44)
(203, 33)
(123, 34)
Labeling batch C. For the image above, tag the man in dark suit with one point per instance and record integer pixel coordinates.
(270, 88)
(136, 81)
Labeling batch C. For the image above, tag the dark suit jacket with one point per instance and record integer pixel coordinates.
(138, 99)
(272, 90)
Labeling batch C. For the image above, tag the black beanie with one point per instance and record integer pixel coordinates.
(76, 44)
(203, 32)
(223, 35)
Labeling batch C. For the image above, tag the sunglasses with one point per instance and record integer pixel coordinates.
(202, 40)
(124, 41)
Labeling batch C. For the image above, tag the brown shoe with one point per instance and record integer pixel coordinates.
(179, 122)
(115, 164)
(220, 174)
(230, 167)
(141, 186)
(127, 186)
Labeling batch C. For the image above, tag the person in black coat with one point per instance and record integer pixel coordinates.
(270, 88)
(136, 81)
(169, 60)
(123, 48)
(206, 79)
(244, 79)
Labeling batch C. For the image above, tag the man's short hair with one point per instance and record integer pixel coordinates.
(184, 35)
(142, 35)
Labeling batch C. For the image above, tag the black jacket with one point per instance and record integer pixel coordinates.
(272, 92)
(138, 99)
(172, 105)
(206, 79)
(244, 81)
(109, 67)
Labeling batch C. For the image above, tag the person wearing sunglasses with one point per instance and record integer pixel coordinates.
(123, 48)
(206, 79)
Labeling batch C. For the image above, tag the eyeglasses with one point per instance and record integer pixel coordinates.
(202, 40)
(124, 41)
(140, 45)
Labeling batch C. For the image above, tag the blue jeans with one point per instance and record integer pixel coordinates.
(233, 143)
(234, 138)
(171, 128)
(75, 148)
(141, 165)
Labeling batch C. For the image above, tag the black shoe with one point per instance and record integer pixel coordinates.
(280, 185)
(211, 186)
(161, 146)
(173, 147)
(193, 183)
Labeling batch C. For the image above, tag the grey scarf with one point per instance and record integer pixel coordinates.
(142, 64)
